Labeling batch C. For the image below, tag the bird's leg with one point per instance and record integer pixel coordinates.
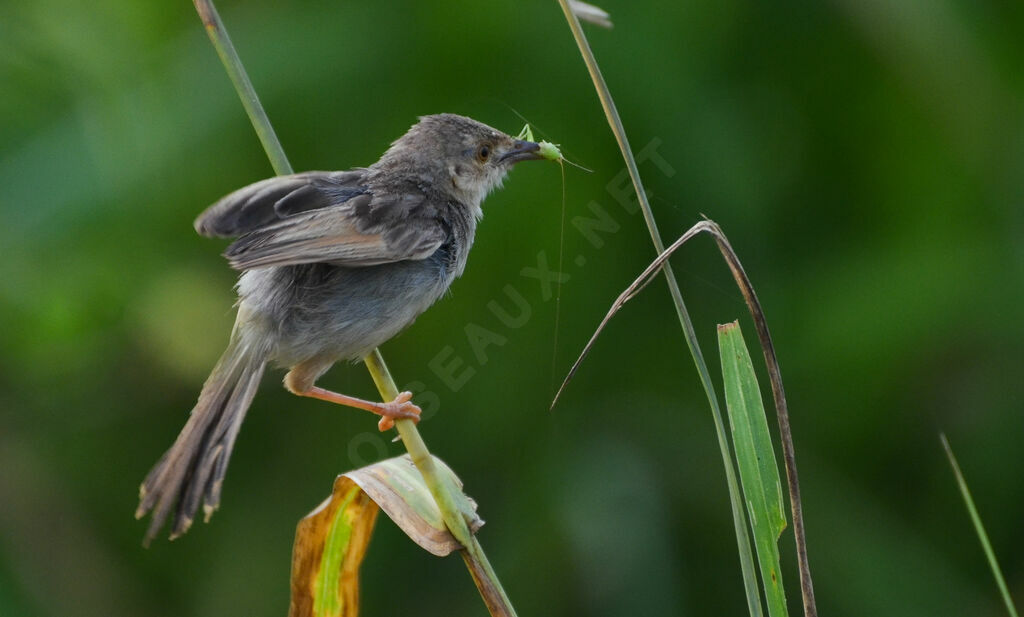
(401, 407)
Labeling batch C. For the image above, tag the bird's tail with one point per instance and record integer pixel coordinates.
(192, 470)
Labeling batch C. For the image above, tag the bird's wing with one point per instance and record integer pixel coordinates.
(274, 199)
(324, 218)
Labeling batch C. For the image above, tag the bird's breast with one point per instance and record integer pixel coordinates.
(320, 310)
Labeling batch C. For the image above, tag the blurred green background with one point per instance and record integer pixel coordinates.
(865, 157)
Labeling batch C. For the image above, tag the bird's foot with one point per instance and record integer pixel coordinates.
(401, 407)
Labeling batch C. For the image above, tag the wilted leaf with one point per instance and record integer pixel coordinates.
(330, 544)
(588, 12)
(331, 541)
(398, 488)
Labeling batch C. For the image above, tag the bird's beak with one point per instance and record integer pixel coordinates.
(522, 151)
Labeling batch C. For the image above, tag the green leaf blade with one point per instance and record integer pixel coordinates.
(755, 456)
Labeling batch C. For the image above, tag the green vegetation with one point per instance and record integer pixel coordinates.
(864, 158)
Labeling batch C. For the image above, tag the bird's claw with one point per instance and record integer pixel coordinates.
(401, 407)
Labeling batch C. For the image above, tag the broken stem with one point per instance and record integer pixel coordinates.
(774, 376)
(615, 122)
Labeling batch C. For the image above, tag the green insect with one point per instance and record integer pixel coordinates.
(548, 150)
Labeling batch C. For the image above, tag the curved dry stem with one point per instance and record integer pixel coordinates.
(615, 123)
(774, 375)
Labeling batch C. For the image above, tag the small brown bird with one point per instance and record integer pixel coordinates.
(333, 264)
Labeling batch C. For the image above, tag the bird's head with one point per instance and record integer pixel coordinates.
(458, 154)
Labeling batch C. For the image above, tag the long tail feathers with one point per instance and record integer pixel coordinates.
(192, 470)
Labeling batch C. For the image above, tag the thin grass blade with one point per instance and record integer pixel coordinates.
(979, 529)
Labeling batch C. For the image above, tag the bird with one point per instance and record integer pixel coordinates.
(332, 265)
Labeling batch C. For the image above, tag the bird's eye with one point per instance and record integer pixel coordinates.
(483, 153)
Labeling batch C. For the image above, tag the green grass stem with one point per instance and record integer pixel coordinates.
(615, 122)
(480, 569)
(979, 528)
(782, 410)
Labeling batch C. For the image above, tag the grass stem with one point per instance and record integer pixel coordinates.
(979, 528)
(236, 71)
(480, 569)
(615, 122)
(739, 516)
